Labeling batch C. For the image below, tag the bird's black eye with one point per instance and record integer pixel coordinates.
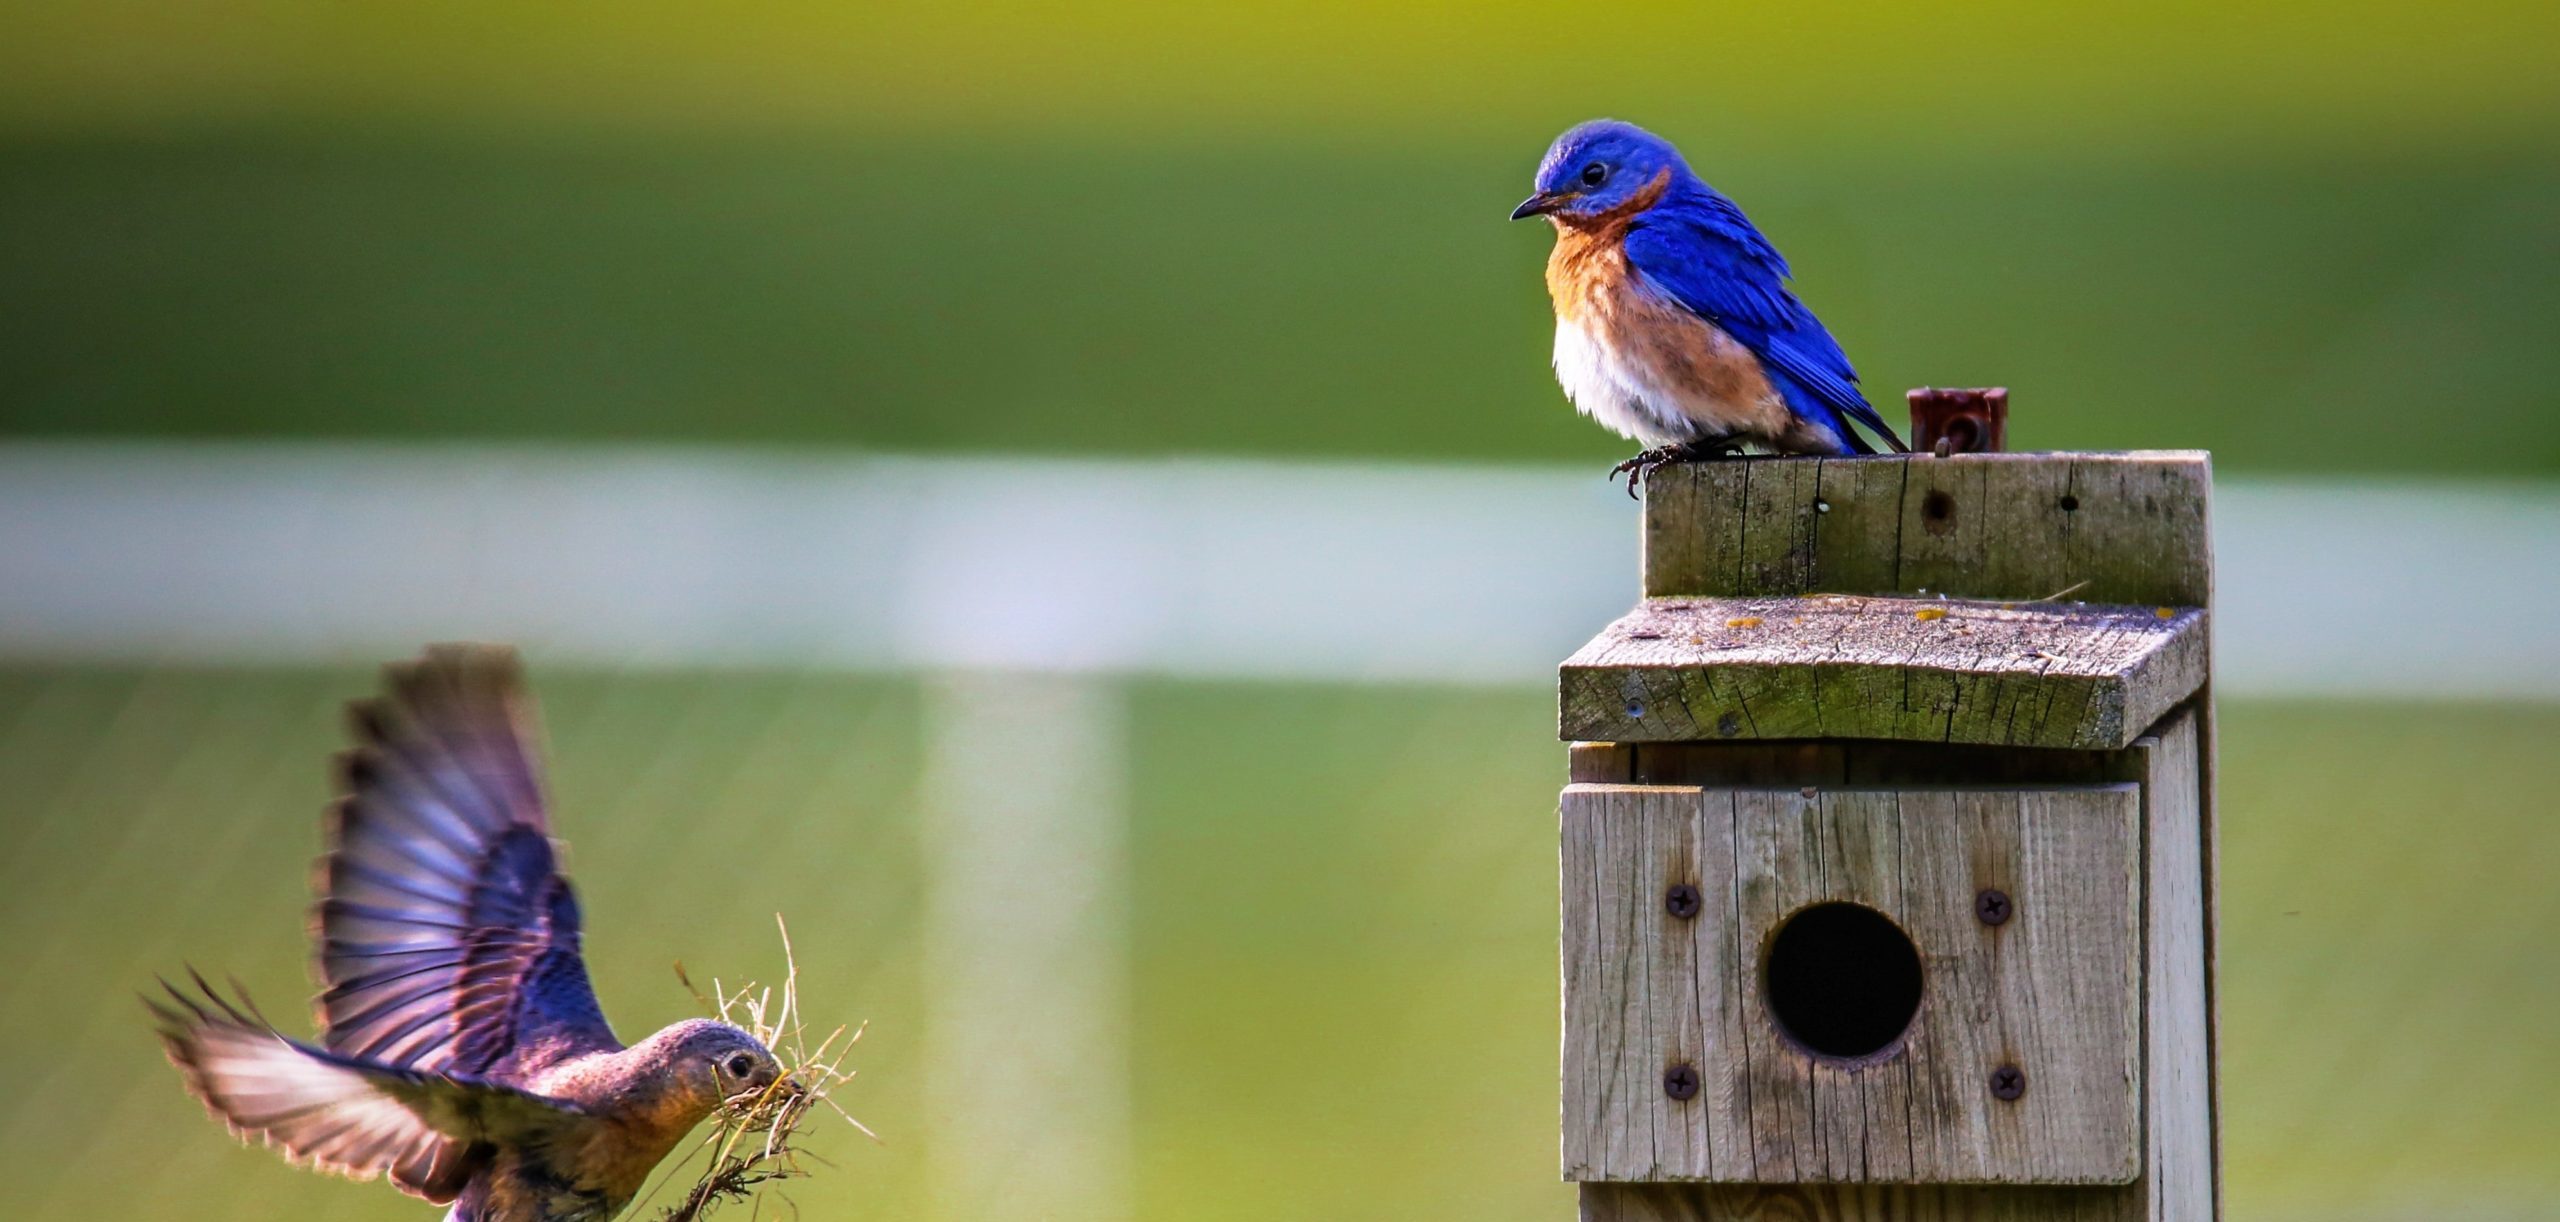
(1594, 174)
(741, 1065)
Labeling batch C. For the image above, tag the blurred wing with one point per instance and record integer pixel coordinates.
(448, 940)
(1707, 256)
(341, 1115)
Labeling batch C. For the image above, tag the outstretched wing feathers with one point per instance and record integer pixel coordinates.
(441, 900)
(1702, 252)
(341, 1114)
(458, 713)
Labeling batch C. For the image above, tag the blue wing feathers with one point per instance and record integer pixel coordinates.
(1813, 407)
(448, 938)
(1700, 250)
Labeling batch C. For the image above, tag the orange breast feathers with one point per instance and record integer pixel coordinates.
(1589, 264)
(1651, 348)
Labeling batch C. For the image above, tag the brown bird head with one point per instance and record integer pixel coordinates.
(706, 1064)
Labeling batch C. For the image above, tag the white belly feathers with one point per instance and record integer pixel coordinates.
(1626, 395)
(1616, 392)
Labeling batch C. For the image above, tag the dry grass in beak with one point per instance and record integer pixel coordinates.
(753, 1138)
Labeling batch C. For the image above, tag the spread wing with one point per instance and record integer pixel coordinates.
(447, 938)
(1707, 256)
(427, 1132)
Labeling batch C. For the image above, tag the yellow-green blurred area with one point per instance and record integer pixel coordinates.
(1342, 940)
(2315, 237)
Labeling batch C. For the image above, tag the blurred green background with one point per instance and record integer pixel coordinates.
(2317, 239)
(2275, 230)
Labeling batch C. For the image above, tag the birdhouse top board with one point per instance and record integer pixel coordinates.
(2125, 529)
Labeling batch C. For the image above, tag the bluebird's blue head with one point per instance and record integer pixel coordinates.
(1600, 167)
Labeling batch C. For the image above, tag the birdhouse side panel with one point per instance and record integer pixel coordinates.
(2181, 1165)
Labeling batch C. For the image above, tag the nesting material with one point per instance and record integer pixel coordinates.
(757, 1143)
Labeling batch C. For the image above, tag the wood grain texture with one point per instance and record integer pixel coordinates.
(2126, 529)
(2052, 991)
(2041, 675)
(2177, 1015)
(1853, 1203)
(2208, 797)
(2132, 527)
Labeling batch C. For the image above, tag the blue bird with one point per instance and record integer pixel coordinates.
(462, 1053)
(1674, 323)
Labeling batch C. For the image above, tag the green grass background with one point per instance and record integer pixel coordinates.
(2315, 238)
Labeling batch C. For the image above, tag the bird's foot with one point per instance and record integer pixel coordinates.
(1639, 469)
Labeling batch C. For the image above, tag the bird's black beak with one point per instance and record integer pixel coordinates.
(1540, 204)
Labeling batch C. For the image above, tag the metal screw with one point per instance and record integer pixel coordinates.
(1680, 1082)
(1993, 907)
(1681, 901)
(2008, 1082)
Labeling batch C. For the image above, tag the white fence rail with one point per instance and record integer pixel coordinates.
(1478, 575)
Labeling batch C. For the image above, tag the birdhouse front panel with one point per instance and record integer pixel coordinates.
(1885, 985)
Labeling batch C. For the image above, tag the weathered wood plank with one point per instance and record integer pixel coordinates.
(1973, 528)
(1778, 540)
(1853, 1203)
(1607, 1125)
(2132, 527)
(2042, 675)
(1727, 962)
(2077, 902)
(2208, 796)
(1858, 507)
(1774, 872)
(2178, 1168)
(2068, 1022)
(1634, 983)
(2142, 526)
(2053, 991)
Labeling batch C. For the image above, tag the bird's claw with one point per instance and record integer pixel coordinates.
(1639, 469)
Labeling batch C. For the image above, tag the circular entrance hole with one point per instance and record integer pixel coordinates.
(1844, 981)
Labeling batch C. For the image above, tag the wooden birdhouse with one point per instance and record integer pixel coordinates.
(1888, 852)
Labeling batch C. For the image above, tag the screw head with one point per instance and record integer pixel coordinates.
(2008, 1082)
(1681, 901)
(1994, 907)
(1680, 1082)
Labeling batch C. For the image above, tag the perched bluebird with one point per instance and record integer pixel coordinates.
(461, 1050)
(1674, 323)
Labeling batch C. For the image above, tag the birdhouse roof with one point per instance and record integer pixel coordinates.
(2069, 675)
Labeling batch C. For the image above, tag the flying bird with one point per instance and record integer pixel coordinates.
(461, 1051)
(1674, 323)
